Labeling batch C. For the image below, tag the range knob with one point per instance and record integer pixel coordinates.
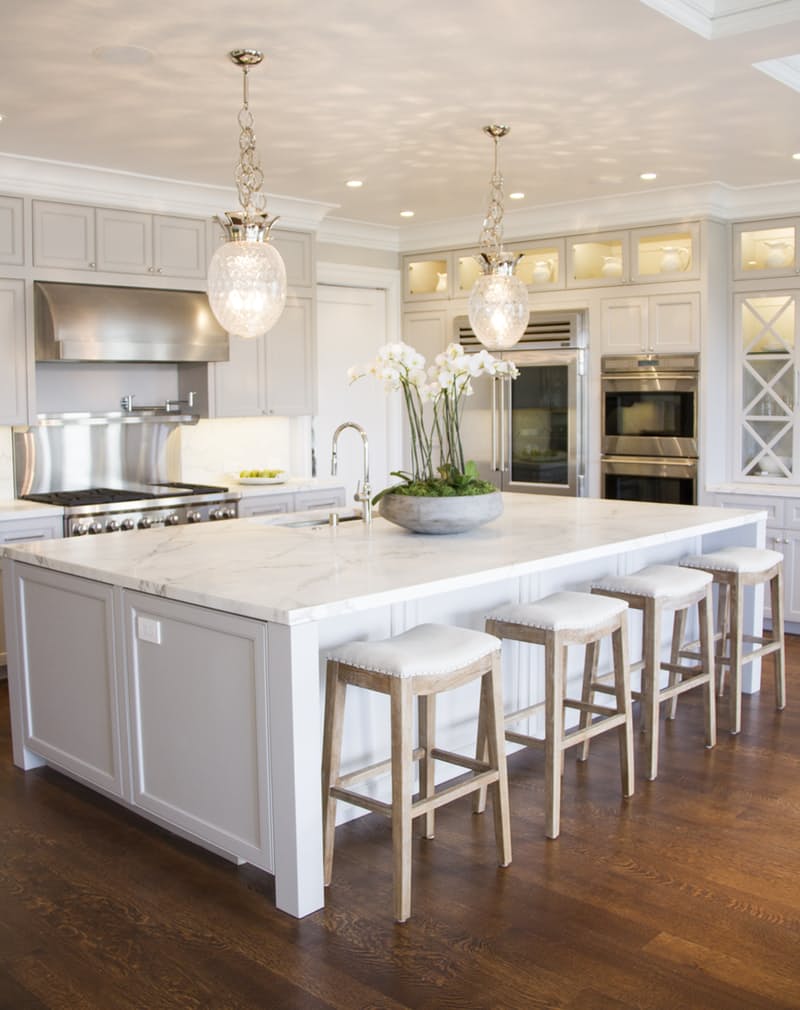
(145, 523)
(112, 526)
(172, 519)
(229, 513)
(95, 527)
(216, 514)
(128, 524)
(194, 517)
(79, 531)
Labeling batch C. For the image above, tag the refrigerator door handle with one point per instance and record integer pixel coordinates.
(503, 420)
(494, 423)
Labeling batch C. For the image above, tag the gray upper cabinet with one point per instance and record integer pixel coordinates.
(63, 236)
(12, 252)
(77, 237)
(13, 353)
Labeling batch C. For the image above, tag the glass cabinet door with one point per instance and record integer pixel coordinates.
(764, 248)
(767, 331)
(427, 276)
(665, 254)
(596, 260)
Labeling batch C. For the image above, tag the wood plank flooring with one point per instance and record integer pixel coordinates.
(685, 897)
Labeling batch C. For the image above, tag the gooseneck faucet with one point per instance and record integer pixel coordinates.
(363, 490)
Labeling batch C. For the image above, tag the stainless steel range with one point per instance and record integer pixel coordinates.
(108, 510)
(113, 472)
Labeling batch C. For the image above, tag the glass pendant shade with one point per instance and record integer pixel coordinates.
(247, 287)
(498, 310)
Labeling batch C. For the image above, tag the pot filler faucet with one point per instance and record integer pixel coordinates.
(363, 490)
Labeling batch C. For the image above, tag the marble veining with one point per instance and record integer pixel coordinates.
(292, 576)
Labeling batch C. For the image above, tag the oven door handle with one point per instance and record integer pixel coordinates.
(503, 419)
(494, 424)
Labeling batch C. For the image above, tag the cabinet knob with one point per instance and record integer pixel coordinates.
(92, 266)
(159, 270)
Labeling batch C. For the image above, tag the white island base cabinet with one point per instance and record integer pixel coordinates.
(160, 705)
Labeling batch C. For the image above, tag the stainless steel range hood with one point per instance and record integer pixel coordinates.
(89, 322)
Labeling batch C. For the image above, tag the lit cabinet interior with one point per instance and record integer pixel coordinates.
(597, 260)
(669, 254)
(427, 278)
(764, 248)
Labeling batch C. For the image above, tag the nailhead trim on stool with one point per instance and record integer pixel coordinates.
(734, 568)
(419, 663)
(655, 590)
(556, 622)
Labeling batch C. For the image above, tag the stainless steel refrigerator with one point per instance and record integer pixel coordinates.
(529, 434)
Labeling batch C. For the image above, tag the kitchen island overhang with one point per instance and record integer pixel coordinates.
(278, 599)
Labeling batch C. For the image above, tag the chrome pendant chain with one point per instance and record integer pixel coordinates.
(249, 175)
(491, 239)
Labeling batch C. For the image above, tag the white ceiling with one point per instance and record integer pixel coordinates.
(396, 94)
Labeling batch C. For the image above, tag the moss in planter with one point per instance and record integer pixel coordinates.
(451, 484)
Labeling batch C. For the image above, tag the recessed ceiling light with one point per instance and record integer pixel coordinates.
(516, 196)
(648, 176)
(354, 183)
(796, 156)
(123, 55)
(406, 213)
(2, 117)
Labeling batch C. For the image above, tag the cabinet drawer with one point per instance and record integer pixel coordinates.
(791, 513)
(331, 498)
(772, 506)
(269, 505)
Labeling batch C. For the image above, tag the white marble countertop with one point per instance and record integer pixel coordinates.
(292, 576)
(17, 508)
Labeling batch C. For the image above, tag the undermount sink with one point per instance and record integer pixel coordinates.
(315, 518)
(296, 523)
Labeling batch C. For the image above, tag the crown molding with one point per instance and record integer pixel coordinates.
(58, 180)
(716, 19)
(343, 231)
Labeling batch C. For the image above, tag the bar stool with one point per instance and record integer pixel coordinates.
(656, 590)
(556, 622)
(733, 569)
(420, 663)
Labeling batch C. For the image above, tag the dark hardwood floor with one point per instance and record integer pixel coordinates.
(686, 897)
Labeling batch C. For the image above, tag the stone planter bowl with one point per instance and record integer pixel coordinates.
(455, 514)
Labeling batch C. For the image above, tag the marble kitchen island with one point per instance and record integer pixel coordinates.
(179, 670)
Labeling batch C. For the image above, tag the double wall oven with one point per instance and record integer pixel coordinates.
(649, 427)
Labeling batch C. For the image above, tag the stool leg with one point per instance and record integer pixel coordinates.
(401, 703)
(737, 620)
(492, 705)
(555, 668)
(724, 628)
(776, 592)
(481, 754)
(427, 733)
(331, 760)
(587, 693)
(705, 610)
(678, 635)
(651, 653)
(622, 689)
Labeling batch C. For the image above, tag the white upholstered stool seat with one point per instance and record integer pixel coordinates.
(556, 622)
(418, 663)
(733, 569)
(654, 591)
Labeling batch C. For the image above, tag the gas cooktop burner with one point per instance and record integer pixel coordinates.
(111, 495)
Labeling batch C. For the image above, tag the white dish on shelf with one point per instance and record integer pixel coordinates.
(280, 479)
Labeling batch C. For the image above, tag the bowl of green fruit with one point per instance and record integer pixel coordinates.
(262, 477)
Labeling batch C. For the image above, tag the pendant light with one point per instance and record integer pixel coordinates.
(246, 276)
(498, 303)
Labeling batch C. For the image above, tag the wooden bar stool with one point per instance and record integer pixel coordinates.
(733, 569)
(656, 590)
(420, 663)
(556, 622)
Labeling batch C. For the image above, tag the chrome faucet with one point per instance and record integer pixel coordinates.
(363, 490)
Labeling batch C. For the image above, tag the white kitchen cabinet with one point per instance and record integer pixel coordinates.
(71, 709)
(329, 497)
(291, 501)
(427, 276)
(14, 357)
(14, 531)
(599, 260)
(78, 237)
(197, 701)
(63, 236)
(135, 243)
(271, 374)
(12, 252)
(765, 395)
(765, 249)
(427, 330)
(668, 323)
(668, 253)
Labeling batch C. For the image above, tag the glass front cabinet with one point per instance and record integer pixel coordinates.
(765, 249)
(640, 256)
(767, 386)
